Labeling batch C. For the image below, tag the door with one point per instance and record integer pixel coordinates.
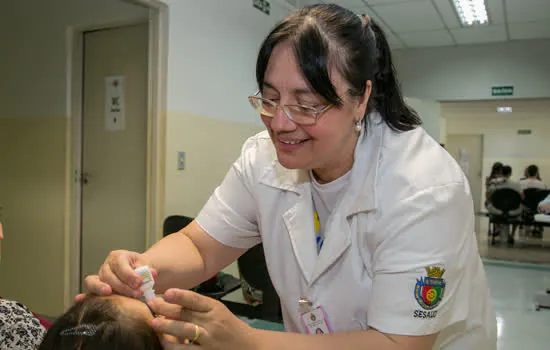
(468, 152)
(114, 143)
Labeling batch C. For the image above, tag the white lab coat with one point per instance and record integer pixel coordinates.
(407, 208)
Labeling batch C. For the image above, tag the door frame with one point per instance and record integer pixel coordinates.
(156, 125)
(482, 138)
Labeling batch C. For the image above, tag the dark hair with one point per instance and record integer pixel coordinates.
(496, 170)
(116, 329)
(506, 170)
(532, 171)
(326, 36)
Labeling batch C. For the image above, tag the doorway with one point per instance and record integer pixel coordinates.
(467, 150)
(114, 143)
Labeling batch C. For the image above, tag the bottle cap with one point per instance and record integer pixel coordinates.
(149, 294)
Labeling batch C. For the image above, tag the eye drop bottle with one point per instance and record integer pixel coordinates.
(147, 282)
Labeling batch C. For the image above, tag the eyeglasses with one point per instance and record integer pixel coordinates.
(300, 114)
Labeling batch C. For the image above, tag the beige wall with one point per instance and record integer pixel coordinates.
(211, 146)
(33, 141)
(501, 140)
(32, 192)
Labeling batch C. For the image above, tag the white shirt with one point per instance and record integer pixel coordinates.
(407, 210)
(325, 197)
(545, 201)
(532, 183)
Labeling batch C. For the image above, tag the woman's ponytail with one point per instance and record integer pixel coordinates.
(386, 95)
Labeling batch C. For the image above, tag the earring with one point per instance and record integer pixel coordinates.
(358, 126)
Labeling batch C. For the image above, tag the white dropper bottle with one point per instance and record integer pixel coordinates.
(147, 282)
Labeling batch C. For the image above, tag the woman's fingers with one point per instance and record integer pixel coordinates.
(174, 311)
(181, 330)
(189, 300)
(107, 277)
(122, 264)
(94, 285)
(79, 297)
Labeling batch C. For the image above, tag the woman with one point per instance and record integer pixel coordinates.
(367, 223)
(496, 175)
(19, 328)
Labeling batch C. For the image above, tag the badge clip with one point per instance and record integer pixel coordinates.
(304, 305)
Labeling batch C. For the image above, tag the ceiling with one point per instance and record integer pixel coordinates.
(532, 108)
(429, 23)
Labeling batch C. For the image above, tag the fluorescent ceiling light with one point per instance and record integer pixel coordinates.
(471, 12)
(504, 109)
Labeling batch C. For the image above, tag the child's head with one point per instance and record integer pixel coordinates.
(113, 322)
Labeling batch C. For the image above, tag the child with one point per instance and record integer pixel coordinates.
(106, 323)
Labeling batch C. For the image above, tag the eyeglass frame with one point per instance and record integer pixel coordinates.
(316, 112)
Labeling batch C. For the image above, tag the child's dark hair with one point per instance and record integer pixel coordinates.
(496, 170)
(330, 36)
(112, 329)
(506, 170)
(532, 171)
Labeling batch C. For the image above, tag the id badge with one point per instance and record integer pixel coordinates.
(316, 321)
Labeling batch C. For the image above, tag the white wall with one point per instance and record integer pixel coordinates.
(212, 60)
(33, 50)
(213, 47)
(468, 72)
(430, 113)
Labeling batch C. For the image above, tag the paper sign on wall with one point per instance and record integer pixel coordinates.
(464, 160)
(114, 104)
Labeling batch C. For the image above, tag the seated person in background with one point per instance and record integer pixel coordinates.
(104, 323)
(504, 183)
(544, 206)
(533, 179)
(19, 328)
(495, 176)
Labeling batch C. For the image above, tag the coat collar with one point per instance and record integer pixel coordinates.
(298, 217)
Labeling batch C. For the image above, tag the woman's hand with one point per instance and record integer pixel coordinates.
(203, 321)
(117, 275)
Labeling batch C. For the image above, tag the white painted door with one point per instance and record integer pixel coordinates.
(113, 151)
(468, 152)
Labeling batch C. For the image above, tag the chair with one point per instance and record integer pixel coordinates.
(533, 196)
(507, 201)
(253, 270)
(175, 223)
(216, 287)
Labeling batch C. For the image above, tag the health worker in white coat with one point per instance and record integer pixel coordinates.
(367, 223)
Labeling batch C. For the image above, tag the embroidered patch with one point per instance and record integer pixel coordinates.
(429, 290)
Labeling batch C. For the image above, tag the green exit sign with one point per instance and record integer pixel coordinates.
(502, 90)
